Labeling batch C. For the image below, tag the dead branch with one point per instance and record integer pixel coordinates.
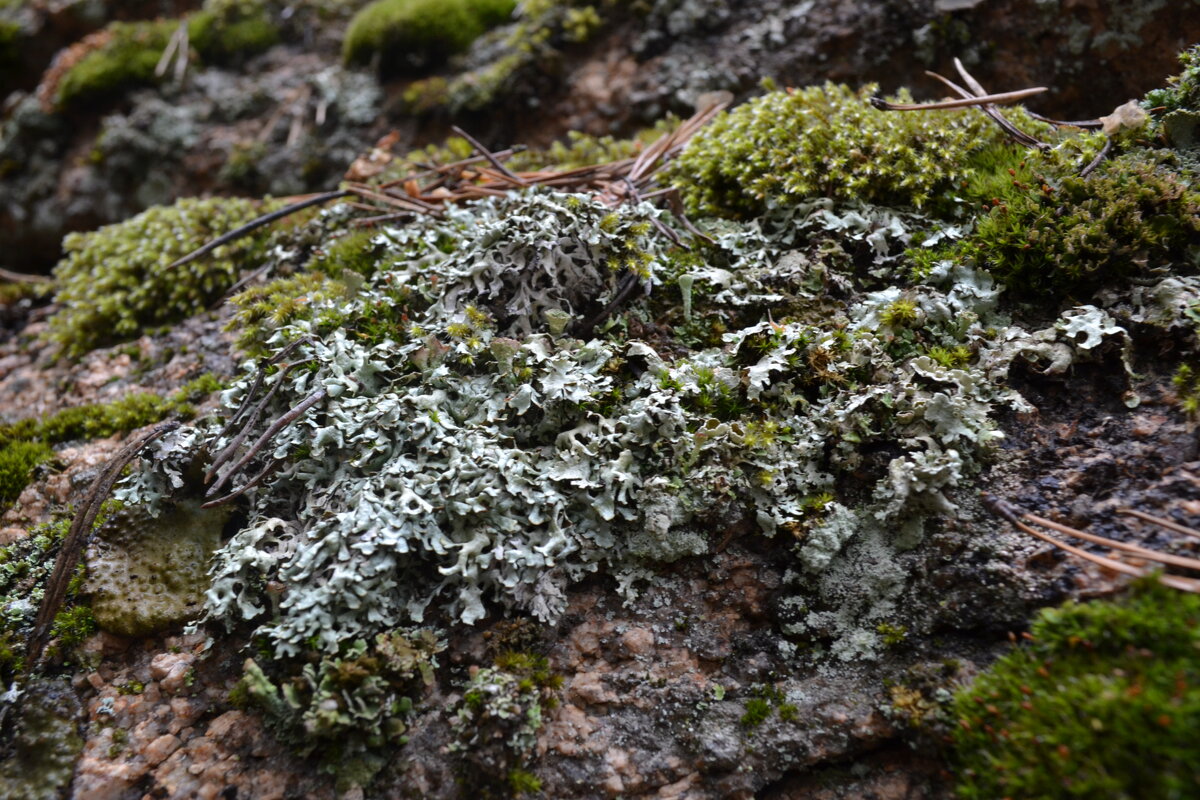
(1024, 522)
(76, 540)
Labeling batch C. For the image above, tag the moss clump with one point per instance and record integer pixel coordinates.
(263, 310)
(17, 462)
(825, 141)
(225, 30)
(1103, 702)
(408, 34)
(128, 57)
(1137, 212)
(126, 54)
(114, 283)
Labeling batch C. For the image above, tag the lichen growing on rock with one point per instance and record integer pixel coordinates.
(114, 283)
(347, 709)
(466, 435)
(41, 741)
(146, 575)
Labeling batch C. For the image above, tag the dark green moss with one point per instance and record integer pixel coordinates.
(757, 711)
(1104, 701)
(128, 57)
(17, 462)
(415, 34)
(26, 444)
(1138, 212)
(523, 782)
(127, 54)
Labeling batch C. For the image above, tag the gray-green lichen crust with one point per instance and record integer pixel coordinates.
(471, 449)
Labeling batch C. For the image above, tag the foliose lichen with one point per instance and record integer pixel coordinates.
(348, 708)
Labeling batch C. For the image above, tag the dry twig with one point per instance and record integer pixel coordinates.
(76, 539)
(1025, 521)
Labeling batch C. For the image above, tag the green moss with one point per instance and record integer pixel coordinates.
(114, 283)
(73, 625)
(262, 310)
(523, 782)
(17, 462)
(357, 252)
(1103, 702)
(1187, 391)
(225, 30)
(127, 58)
(407, 34)
(757, 711)
(1138, 212)
(827, 141)
(26, 444)
(128, 52)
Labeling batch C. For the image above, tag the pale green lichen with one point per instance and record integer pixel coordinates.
(348, 708)
(471, 443)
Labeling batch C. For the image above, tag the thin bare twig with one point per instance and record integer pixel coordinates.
(20, 277)
(1020, 136)
(1164, 523)
(255, 224)
(1019, 520)
(982, 100)
(1058, 123)
(491, 159)
(247, 486)
(76, 540)
(279, 424)
(237, 441)
(1099, 159)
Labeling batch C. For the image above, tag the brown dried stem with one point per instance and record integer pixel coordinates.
(76, 540)
(1021, 520)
